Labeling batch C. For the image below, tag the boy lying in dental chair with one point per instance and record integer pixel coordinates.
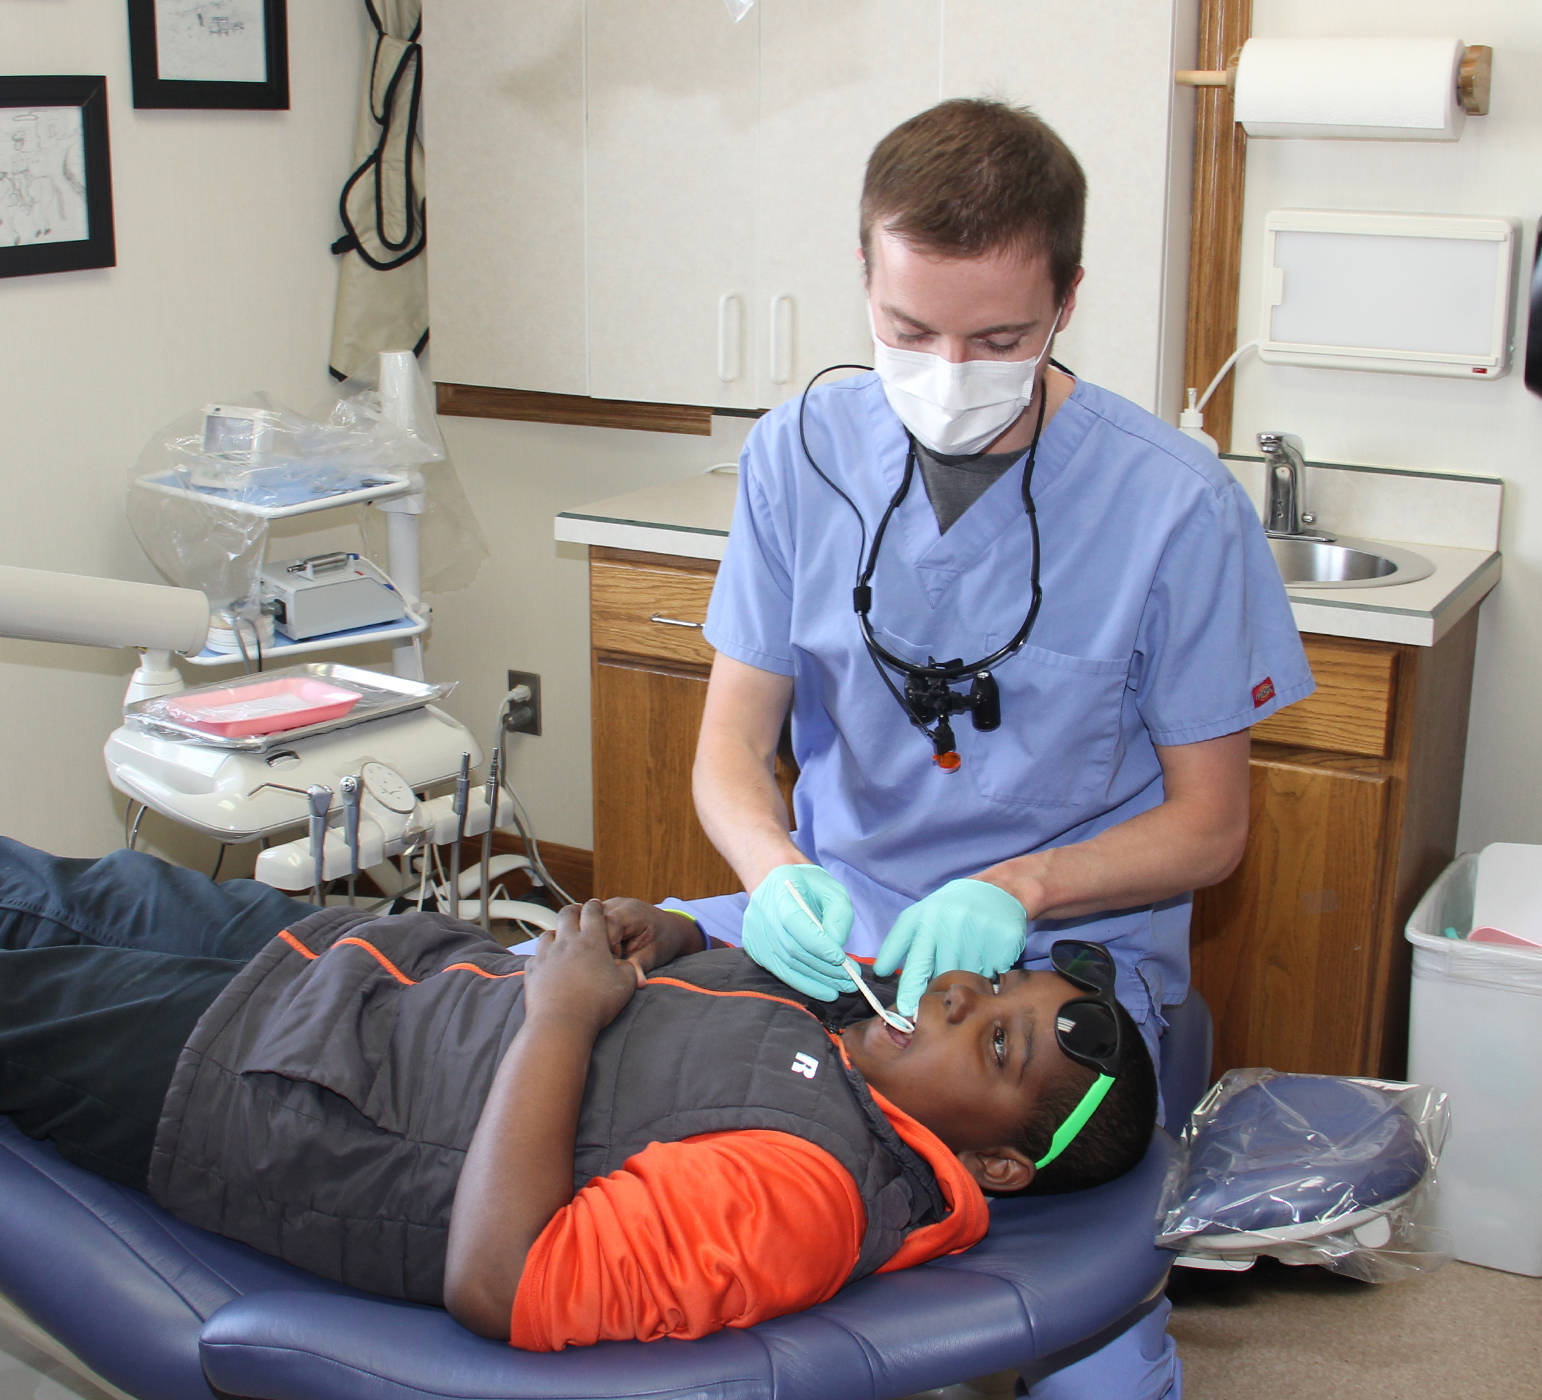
(622, 1135)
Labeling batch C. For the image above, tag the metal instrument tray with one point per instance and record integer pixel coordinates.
(379, 695)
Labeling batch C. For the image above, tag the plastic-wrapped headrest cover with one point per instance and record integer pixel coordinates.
(1295, 1164)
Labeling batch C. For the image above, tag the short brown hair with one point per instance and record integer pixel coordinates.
(969, 177)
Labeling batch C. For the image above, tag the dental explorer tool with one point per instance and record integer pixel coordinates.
(349, 790)
(494, 786)
(893, 1018)
(320, 799)
(462, 791)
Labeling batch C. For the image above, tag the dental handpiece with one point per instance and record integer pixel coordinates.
(893, 1018)
(348, 788)
(458, 805)
(320, 798)
(494, 786)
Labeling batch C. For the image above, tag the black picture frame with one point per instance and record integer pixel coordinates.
(154, 57)
(57, 176)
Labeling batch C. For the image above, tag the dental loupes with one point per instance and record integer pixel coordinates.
(893, 1018)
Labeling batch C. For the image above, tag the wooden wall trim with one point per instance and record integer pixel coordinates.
(528, 406)
(1215, 230)
(572, 867)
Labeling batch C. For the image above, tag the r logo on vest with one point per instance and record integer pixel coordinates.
(806, 1065)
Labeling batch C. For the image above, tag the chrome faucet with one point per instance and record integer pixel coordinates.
(1285, 512)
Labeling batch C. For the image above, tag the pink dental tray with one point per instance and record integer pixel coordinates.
(265, 706)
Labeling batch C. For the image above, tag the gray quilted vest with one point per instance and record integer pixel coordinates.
(321, 1109)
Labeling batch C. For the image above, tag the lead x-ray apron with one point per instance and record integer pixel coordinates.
(382, 288)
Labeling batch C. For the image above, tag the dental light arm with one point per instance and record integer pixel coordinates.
(40, 605)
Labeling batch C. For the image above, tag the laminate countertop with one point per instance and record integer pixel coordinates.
(1453, 521)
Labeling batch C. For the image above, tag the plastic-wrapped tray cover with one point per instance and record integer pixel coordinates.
(258, 710)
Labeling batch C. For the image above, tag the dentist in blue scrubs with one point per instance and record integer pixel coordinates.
(1021, 628)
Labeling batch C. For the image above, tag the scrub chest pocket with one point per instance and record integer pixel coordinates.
(1060, 732)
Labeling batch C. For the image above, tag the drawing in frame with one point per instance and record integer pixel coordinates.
(56, 175)
(209, 53)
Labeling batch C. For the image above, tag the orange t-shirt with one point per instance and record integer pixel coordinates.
(721, 1230)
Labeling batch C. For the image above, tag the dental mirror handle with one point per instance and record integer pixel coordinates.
(893, 1018)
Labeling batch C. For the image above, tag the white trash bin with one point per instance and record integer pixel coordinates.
(1475, 1030)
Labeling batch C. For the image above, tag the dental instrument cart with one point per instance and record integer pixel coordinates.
(385, 747)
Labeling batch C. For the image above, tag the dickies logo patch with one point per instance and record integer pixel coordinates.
(1263, 692)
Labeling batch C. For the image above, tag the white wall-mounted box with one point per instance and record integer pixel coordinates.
(1400, 293)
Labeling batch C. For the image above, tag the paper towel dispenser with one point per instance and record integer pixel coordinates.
(1400, 293)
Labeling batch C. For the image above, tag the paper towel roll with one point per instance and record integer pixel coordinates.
(1355, 89)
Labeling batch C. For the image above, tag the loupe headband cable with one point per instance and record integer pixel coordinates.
(862, 595)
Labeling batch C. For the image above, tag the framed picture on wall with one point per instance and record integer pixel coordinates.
(209, 53)
(55, 175)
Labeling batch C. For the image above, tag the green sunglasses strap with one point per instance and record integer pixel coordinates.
(1066, 1133)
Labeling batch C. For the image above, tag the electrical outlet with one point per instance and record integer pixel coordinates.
(524, 716)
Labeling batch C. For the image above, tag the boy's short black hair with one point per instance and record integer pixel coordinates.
(1117, 1135)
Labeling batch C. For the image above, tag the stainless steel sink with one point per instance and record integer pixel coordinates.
(1346, 563)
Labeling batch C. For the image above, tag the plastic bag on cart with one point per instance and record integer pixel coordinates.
(207, 486)
(1310, 1169)
(452, 543)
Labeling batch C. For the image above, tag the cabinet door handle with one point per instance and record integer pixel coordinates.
(730, 337)
(673, 621)
(781, 338)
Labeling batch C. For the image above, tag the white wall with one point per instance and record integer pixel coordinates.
(528, 608)
(1492, 429)
(223, 284)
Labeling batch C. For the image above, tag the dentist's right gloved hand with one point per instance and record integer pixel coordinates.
(787, 943)
(970, 924)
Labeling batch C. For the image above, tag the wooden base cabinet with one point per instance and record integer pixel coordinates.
(1300, 954)
(1355, 796)
(648, 685)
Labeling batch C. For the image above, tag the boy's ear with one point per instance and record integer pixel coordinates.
(999, 1169)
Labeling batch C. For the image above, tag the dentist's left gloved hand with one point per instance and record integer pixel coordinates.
(969, 924)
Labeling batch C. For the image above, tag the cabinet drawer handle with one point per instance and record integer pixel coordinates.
(730, 337)
(672, 621)
(781, 338)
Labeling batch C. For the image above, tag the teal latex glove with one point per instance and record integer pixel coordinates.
(967, 923)
(782, 938)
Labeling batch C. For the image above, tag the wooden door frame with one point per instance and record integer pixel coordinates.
(1215, 217)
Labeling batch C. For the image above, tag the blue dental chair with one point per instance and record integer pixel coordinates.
(165, 1311)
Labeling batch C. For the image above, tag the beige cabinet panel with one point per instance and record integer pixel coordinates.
(1102, 76)
(671, 191)
(833, 79)
(503, 122)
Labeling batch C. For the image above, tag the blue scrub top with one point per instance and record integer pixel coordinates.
(1163, 621)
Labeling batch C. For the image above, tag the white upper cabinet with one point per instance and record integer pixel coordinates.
(641, 199)
(671, 191)
(725, 162)
(833, 79)
(1102, 76)
(503, 124)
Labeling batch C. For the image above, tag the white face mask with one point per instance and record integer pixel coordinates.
(955, 409)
